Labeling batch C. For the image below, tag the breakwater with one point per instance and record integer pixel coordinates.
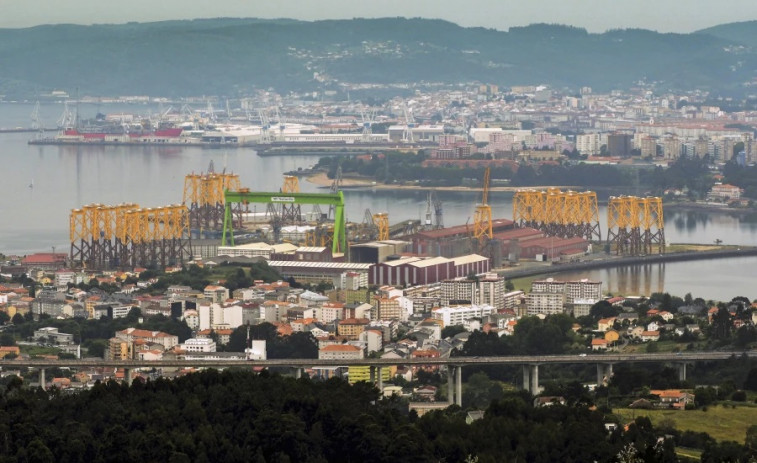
(627, 261)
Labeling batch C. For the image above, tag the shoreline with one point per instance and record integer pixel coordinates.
(322, 181)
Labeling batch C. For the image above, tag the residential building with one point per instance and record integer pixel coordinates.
(488, 289)
(158, 337)
(389, 308)
(51, 335)
(340, 352)
(198, 345)
(216, 294)
(724, 192)
(457, 315)
(544, 303)
(588, 144)
(351, 328)
(118, 349)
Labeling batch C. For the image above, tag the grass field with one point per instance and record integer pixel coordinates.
(721, 422)
(38, 350)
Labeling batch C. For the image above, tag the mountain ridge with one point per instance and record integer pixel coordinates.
(235, 56)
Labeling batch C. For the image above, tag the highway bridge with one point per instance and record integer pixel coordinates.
(530, 364)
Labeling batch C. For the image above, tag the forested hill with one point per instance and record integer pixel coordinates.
(233, 56)
(741, 32)
(242, 417)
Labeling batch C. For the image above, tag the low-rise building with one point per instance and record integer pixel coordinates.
(198, 345)
(52, 336)
(457, 315)
(340, 352)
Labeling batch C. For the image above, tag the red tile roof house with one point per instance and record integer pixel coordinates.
(674, 398)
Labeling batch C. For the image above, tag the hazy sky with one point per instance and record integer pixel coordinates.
(594, 15)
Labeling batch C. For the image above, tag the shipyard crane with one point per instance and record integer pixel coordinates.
(482, 217)
(407, 136)
(66, 119)
(282, 124)
(36, 124)
(265, 126)
(437, 203)
(428, 225)
(367, 124)
(433, 203)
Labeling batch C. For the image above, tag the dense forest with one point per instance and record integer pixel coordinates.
(243, 55)
(241, 416)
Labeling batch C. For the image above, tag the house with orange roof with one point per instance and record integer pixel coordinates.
(158, 337)
(605, 324)
(598, 344)
(647, 336)
(61, 383)
(13, 351)
(674, 398)
(283, 329)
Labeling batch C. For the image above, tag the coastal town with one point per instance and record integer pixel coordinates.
(374, 271)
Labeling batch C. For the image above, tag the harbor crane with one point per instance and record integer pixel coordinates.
(368, 120)
(407, 136)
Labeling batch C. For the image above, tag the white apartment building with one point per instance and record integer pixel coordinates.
(489, 289)
(512, 299)
(582, 307)
(198, 345)
(582, 289)
(588, 144)
(458, 315)
(577, 289)
(340, 352)
(216, 316)
(544, 303)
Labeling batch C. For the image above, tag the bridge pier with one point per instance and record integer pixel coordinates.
(459, 386)
(450, 385)
(127, 376)
(604, 373)
(42, 378)
(380, 380)
(531, 378)
(681, 371)
(372, 373)
(297, 372)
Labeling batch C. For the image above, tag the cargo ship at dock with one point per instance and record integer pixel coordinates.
(115, 137)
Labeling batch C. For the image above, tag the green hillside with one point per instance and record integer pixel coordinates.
(231, 57)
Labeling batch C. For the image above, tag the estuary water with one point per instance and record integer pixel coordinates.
(41, 184)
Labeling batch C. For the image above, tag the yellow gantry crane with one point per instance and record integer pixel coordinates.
(482, 218)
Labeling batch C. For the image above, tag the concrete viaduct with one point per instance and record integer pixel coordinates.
(529, 363)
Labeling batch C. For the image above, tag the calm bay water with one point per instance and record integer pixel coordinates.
(41, 184)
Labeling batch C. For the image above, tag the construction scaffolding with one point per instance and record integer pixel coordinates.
(127, 236)
(203, 196)
(291, 214)
(566, 214)
(635, 226)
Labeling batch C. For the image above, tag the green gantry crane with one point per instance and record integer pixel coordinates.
(339, 244)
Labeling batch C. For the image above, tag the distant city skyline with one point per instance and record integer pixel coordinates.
(680, 16)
